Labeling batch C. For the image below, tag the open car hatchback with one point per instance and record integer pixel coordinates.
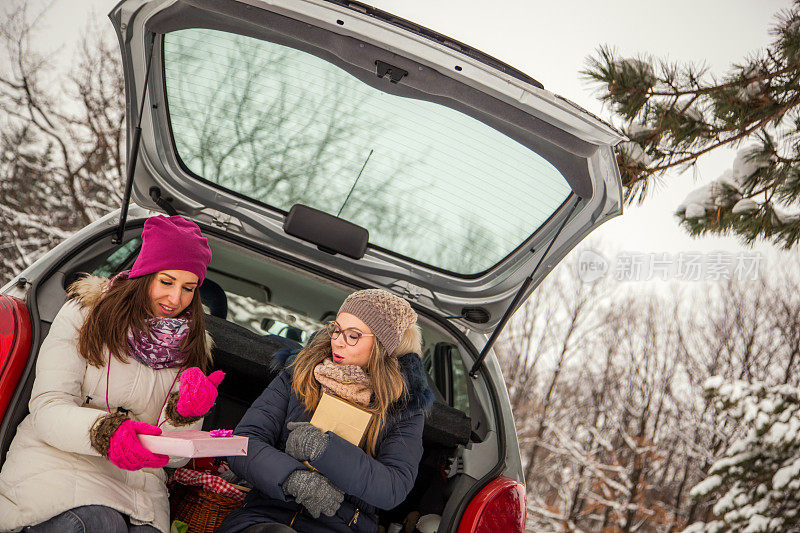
(325, 146)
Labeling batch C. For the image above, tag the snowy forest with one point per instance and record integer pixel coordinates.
(659, 410)
(619, 401)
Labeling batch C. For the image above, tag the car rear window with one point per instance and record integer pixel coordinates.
(282, 126)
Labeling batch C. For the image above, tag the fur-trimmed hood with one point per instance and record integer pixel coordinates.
(88, 290)
(419, 395)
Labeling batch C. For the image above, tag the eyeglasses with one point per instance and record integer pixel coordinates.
(351, 335)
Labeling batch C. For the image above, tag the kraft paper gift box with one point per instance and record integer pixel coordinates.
(341, 417)
(194, 443)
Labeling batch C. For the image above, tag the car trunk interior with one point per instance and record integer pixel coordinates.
(256, 306)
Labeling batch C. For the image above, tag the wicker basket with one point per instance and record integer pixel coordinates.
(201, 509)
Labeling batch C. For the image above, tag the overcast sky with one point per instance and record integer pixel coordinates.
(551, 41)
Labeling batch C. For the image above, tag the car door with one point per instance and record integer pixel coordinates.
(464, 173)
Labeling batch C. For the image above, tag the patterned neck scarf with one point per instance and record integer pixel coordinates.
(346, 381)
(161, 348)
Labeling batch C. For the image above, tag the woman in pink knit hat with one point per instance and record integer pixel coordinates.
(124, 356)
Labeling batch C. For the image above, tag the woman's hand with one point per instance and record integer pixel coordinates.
(117, 437)
(197, 393)
(313, 491)
(305, 442)
(127, 452)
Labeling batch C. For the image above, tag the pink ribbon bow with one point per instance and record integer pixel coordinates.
(221, 432)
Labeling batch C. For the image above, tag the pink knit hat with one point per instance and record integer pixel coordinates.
(172, 243)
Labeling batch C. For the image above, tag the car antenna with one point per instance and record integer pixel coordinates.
(511, 308)
(137, 136)
(355, 182)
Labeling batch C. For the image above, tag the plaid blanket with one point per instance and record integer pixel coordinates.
(210, 482)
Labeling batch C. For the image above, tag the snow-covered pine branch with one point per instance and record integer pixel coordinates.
(756, 482)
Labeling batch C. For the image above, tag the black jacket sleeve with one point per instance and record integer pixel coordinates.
(385, 480)
(265, 466)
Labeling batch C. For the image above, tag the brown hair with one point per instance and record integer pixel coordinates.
(125, 306)
(388, 385)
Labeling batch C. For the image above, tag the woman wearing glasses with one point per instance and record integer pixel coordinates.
(307, 480)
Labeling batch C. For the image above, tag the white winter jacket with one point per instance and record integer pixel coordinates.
(51, 466)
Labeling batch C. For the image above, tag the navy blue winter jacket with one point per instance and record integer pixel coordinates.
(369, 483)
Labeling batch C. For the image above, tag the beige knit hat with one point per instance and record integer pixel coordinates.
(387, 315)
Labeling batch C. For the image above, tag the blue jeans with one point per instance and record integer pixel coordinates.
(90, 519)
(268, 527)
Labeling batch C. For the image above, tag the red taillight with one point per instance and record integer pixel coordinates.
(499, 506)
(15, 346)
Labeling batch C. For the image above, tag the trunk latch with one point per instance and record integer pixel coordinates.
(395, 73)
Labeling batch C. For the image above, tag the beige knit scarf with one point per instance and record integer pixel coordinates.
(346, 381)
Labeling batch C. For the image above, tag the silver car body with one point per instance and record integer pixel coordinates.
(571, 134)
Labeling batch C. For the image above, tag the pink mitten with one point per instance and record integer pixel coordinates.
(127, 452)
(197, 392)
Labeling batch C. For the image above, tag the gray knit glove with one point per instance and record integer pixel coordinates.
(306, 442)
(313, 491)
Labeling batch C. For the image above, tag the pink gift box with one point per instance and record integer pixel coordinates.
(194, 443)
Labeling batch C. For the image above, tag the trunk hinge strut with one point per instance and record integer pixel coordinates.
(163, 203)
(137, 135)
(511, 308)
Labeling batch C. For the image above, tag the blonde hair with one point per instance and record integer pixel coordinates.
(388, 385)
